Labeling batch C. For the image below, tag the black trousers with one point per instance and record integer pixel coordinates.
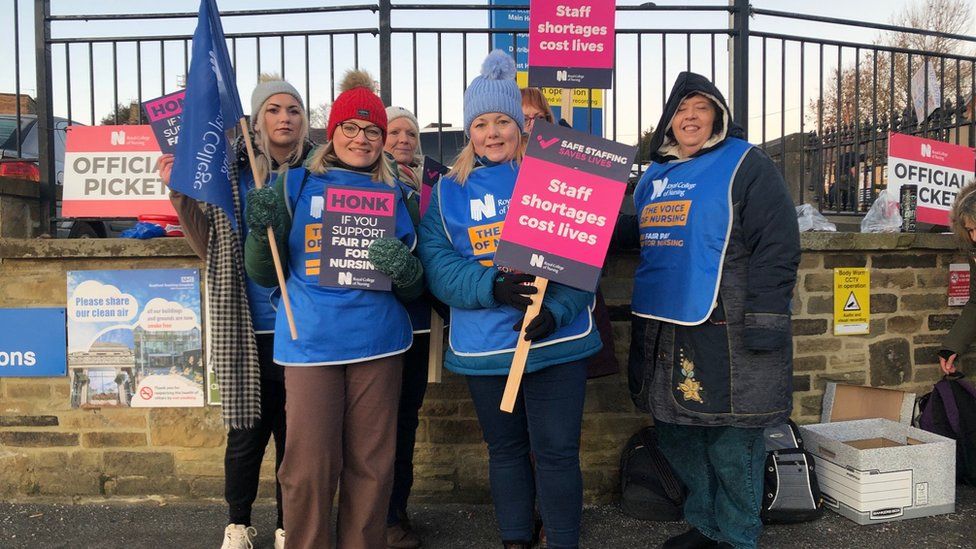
(411, 398)
(245, 447)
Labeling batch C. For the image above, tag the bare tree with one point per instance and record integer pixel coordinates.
(878, 84)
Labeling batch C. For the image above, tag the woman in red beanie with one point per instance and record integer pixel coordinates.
(343, 372)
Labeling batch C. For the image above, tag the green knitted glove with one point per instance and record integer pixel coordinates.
(264, 208)
(392, 258)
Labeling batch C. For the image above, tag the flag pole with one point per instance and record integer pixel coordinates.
(271, 237)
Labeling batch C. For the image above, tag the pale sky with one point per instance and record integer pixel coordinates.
(627, 123)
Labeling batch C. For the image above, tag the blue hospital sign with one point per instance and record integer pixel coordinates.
(33, 343)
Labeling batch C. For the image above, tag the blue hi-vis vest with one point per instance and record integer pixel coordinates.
(262, 301)
(684, 210)
(335, 325)
(473, 215)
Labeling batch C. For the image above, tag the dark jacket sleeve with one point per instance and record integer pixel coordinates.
(626, 233)
(258, 259)
(452, 278)
(964, 330)
(771, 235)
(565, 302)
(193, 221)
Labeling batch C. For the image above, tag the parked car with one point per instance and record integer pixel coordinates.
(442, 144)
(26, 167)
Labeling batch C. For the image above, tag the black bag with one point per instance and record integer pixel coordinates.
(649, 488)
(790, 489)
(950, 411)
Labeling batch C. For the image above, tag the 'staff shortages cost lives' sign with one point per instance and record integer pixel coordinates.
(938, 169)
(110, 171)
(352, 220)
(565, 205)
(571, 43)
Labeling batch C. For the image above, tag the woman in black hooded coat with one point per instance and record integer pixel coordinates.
(711, 345)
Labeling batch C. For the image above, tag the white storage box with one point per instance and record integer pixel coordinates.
(872, 465)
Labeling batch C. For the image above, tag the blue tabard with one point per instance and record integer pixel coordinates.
(684, 211)
(335, 325)
(473, 215)
(262, 301)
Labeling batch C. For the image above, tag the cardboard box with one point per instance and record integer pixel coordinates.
(872, 465)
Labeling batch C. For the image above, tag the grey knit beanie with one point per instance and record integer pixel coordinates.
(494, 90)
(264, 90)
(392, 113)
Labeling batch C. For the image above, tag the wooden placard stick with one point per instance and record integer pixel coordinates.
(566, 109)
(271, 237)
(435, 356)
(522, 348)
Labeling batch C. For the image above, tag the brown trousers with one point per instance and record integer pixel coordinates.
(342, 425)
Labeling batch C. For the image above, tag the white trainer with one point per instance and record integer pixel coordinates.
(238, 536)
(279, 539)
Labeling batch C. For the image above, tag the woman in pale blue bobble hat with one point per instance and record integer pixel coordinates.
(458, 237)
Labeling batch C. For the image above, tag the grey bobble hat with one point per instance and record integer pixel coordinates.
(266, 89)
(494, 90)
(392, 113)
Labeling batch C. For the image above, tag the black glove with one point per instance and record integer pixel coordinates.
(510, 289)
(541, 327)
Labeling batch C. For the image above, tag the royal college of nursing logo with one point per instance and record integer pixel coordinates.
(118, 138)
(658, 187)
(483, 208)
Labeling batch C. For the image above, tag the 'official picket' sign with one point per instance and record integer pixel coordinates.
(938, 169)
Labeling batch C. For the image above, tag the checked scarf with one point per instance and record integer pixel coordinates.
(233, 350)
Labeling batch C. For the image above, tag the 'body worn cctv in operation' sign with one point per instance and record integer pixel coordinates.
(852, 301)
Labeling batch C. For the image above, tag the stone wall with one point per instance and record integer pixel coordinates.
(49, 449)
(20, 209)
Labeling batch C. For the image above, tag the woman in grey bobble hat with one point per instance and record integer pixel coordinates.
(242, 319)
(458, 236)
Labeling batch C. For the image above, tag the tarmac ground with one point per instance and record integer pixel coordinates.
(153, 523)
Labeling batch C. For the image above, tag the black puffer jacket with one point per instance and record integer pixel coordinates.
(743, 353)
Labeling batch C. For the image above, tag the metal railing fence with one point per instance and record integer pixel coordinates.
(820, 102)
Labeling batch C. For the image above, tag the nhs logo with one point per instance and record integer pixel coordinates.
(345, 278)
(537, 260)
(480, 209)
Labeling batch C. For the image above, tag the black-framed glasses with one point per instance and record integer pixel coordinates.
(351, 130)
(531, 117)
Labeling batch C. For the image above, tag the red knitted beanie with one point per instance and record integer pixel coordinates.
(357, 100)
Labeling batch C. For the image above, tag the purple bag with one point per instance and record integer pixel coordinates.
(950, 410)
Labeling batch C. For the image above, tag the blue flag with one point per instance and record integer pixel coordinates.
(210, 108)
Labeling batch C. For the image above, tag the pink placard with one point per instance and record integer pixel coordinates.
(568, 33)
(563, 211)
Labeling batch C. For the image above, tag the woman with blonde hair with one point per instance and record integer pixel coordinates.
(343, 372)
(241, 323)
(458, 240)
